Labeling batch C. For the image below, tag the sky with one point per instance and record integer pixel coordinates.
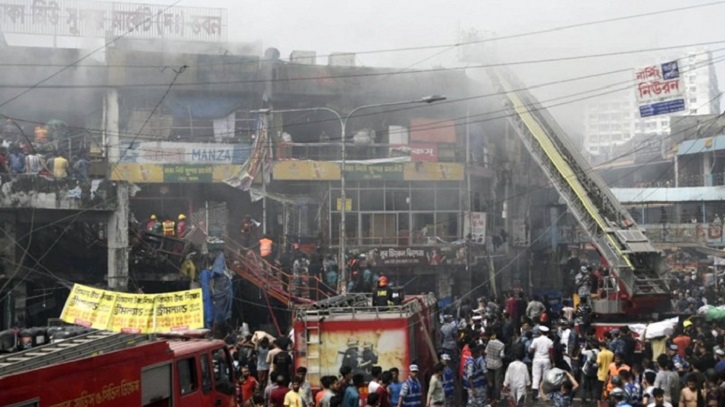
(368, 26)
(352, 26)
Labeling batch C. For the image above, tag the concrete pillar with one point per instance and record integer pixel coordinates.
(117, 232)
(111, 129)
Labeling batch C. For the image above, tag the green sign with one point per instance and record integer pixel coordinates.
(188, 173)
(362, 172)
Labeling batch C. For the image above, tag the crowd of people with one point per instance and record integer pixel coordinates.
(511, 350)
(39, 156)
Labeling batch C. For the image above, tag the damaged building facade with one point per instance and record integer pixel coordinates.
(437, 194)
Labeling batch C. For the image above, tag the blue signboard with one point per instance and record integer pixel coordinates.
(666, 107)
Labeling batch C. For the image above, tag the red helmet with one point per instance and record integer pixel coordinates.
(382, 280)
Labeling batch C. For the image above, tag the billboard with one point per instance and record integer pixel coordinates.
(95, 19)
(660, 89)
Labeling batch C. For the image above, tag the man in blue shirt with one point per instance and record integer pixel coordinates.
(411, 393)
(352, 395)
(448, 380)
(395, 386)
(565, 395)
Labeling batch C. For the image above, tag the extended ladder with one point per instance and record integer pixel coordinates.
(635, 261)
(89, 344)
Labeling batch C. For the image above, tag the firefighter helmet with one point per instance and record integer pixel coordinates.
(182, 216)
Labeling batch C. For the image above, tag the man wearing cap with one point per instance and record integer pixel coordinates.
(381, 293)
(620, 398)
(448, 378)
(681, 364)
(411, 393)
(449, 337)
(541, 347)
(474, 377)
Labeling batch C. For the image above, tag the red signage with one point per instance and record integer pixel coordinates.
(424, 152)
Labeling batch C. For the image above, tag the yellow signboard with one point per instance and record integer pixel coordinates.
(330, 171)
(134, 313)
(348, 204)
(174, 173)
(306, 170)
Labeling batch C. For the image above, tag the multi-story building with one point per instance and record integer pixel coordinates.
(172, 133)
(613, 124)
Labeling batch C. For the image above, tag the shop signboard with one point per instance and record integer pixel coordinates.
(660, 89)
(170, 173)
(166, 152)
(330, 171)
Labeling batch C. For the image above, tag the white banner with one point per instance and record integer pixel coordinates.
(165, 152)
(474, 224)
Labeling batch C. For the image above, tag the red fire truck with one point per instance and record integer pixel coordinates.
(110, 369)
(348, 330)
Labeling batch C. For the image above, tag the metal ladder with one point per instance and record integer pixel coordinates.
(89, 344)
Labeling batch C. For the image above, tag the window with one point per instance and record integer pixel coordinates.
(693, 111)
(691, 79)
(372, 200)
(205, 374)
(693, 100)
(693, 89)
(187, 376)
(422, 199)
(223, 380)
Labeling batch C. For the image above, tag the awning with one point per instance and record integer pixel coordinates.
(701, 145)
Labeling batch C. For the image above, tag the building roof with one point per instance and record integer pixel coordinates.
(701, 145)
(651, 195)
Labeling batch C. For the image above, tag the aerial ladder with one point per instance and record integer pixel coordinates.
(86, 345)
(639, 270)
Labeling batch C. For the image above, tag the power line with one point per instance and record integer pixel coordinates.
(405, 108)
(404, 71)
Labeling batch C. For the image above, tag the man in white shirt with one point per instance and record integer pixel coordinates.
(541, 347)
(516, 381)
(376, 372)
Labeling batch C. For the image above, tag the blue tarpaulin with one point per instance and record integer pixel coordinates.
(222, 292)
(205, 280)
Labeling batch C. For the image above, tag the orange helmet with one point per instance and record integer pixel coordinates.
(382, 280)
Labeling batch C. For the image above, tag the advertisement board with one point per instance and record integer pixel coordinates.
(660, 89)
(134, 313)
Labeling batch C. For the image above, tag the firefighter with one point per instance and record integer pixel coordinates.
(351, 356)
(168, 227)
(369, 359)
(266, 246)
(247, 231)
(153, 225)
(181, 226)
(381, 293)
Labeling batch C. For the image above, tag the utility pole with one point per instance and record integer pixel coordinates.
(263, 128)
